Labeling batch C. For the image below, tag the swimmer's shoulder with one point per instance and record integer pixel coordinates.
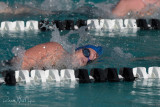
(48, 46)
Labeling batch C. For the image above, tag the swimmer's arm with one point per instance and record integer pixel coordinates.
(146, 58)
(121, 9)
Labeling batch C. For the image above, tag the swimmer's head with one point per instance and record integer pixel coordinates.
(87, 54)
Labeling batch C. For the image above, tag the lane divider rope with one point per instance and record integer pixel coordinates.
(93, 24)
(80, 75)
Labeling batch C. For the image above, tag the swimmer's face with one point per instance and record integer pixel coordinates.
(85, 56)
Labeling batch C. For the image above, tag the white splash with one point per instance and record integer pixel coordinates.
(119, 52)
(63, 40)
(119, 57)
(19, 53)
(104, 10)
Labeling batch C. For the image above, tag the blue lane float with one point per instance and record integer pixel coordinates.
(95, 75)
(92, 24)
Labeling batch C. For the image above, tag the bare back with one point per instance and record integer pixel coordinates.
(42, 55)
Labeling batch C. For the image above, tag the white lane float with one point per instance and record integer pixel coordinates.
(44, 76)
(7, 26)
(130, 23)
(19, 26)
(105, 24)
(38, 75)
(31, 25)
(154, 72)
(23, 76)
(140, 72)
(67, 74)
(52, 75)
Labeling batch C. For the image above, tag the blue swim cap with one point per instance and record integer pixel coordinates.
(98, 49)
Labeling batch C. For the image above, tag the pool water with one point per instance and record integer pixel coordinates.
(138, 93)
(120, 50)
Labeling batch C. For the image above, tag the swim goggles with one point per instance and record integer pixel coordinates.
(86, 52)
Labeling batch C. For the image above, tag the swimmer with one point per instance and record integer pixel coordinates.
(21, 9)
(138, 7)
(49, 54)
